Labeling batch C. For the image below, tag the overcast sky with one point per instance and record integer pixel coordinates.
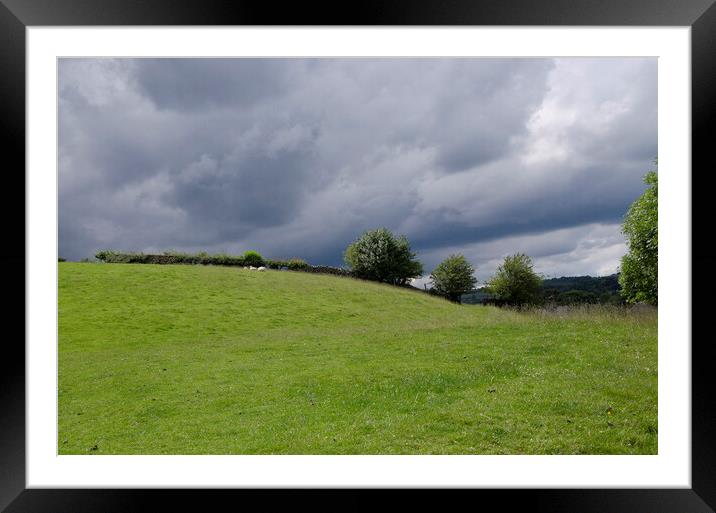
(297, 157)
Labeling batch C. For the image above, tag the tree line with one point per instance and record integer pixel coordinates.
(381, 256)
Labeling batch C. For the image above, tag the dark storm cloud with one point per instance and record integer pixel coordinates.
(592, 194)
(296, 157)
(246, 189)
(192, 84)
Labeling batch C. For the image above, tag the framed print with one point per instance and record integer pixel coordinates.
(413, 247)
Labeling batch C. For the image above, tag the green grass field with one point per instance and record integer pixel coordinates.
(209, 360)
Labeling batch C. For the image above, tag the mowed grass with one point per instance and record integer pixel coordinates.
(210, 360)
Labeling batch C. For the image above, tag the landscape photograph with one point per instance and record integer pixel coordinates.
(353, 256)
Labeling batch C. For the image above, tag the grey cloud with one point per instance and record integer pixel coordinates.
(245, 190)
(296, 157)
(485, 107)
(192, 84)
(593, 248)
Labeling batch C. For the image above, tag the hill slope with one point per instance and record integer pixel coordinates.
(209, 360)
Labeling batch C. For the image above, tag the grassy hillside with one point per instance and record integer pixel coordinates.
(210, 360)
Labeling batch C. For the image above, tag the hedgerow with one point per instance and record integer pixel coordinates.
(296, 264)
(250, 258)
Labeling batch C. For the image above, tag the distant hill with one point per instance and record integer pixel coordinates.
(582, 289)
(598, 284)
(568, 290)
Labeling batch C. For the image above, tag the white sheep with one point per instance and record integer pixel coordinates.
(262, 268)
(252, 268)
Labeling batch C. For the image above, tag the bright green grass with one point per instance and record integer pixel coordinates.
(211, 360)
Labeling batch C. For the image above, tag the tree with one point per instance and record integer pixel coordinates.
(253, 258)
(638, 276)
(453, 277)
(515, 282)
(379, 255)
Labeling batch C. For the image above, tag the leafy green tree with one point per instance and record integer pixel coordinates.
(515, 282)
(453, 277)
(253, 258)
(379, 255)
(638, 275)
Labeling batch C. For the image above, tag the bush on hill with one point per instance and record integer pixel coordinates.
(253, 258)
(515, 282)
(380, 256)
(296, 264)
(453, 277)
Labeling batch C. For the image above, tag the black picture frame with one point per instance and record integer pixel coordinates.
(16, 15)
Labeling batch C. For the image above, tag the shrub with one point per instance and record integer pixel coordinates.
(226, 259)
(116, 257)
(327, 269)
(515, 282)
(296, 264)
(453, 277)
(274, 264)
(103, 255)
(379, 255)
(253, 258)
(60, 259)
(168, 258)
